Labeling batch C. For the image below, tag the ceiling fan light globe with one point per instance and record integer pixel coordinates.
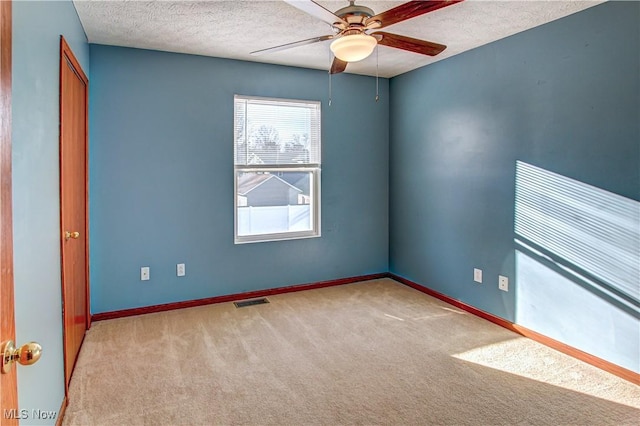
(353, 48)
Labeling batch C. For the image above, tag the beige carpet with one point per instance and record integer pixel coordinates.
(368, 353)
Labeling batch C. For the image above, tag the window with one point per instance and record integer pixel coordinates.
(277, 169)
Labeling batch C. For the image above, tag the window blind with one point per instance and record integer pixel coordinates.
(276, 132)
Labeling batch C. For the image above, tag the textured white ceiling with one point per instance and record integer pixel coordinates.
(232, 29)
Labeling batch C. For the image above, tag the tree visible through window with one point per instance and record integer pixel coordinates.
(277, 169)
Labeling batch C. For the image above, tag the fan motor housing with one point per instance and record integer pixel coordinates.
(354, 14)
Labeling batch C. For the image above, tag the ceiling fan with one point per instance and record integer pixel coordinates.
(354, 28)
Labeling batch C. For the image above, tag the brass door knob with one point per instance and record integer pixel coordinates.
(26, 354)
(75, 235)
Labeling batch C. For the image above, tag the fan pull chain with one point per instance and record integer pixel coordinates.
(329, 88)
(377, 63)
(330, 62)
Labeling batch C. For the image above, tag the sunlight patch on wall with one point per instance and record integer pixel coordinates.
(590, 228)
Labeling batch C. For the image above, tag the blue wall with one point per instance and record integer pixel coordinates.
(161, 178)
(37, 27)
(564, 97)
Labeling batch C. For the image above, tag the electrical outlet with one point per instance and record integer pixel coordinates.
(144, 273)
(181, 270)
(503, 283)
(477, 275)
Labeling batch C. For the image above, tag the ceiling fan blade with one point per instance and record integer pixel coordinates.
(338, 66)
(407, 11)
(314, 9)
(408, 43)
(294, 44)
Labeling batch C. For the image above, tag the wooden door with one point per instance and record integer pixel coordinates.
(73, 205)
(8, 382)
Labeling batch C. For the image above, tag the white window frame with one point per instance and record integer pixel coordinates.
(313, 168)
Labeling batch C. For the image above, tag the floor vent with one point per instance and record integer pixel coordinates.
(251, 302)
